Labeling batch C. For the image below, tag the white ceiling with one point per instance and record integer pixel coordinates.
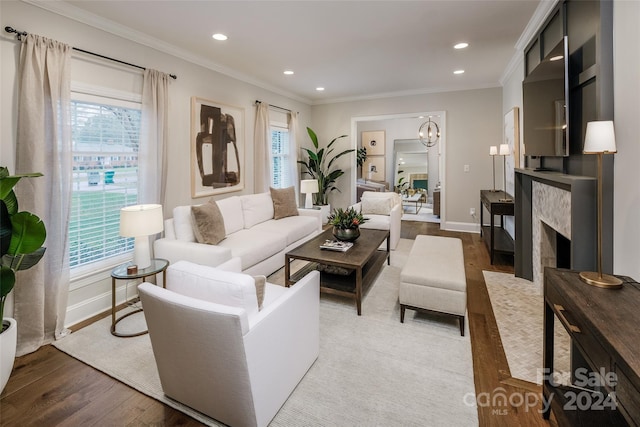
(355, 49)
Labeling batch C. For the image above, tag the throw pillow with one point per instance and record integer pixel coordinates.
(284, 202)
(376, 205)
(208, 224)
(261, 281)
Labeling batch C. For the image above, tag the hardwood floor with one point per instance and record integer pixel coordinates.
(49, 388)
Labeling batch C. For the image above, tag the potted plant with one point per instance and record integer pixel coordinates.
(346, 223)
(319, 167)
(22, 235)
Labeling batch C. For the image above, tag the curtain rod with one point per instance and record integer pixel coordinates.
(274, 106)
(19, 35)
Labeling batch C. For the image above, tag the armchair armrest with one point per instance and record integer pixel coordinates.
(282, 344)
(312, 212)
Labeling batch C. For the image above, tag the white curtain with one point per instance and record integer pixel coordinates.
(44, 145)
(262, 150)
(294, 153)
(152, 155)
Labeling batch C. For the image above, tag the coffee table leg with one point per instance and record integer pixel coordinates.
(359, 290)
(287, 272)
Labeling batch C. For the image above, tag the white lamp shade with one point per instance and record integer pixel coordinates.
(599, 138)
(141, 220)
(308, 186)
(504, 149)
(493, 150)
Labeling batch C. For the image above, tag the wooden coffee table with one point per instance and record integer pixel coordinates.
(363, 262)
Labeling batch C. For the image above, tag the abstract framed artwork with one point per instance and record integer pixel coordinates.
(217, 148)
(373, 168)
(374, 142)
(512, 138)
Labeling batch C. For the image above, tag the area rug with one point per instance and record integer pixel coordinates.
(372, 370)
(518, 308)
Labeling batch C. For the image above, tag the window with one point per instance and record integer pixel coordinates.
(105, 136)
(280, 167)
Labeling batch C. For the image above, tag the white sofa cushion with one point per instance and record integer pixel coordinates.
(182, 223)
(293, 227)
(377, 205)
(231, 209)
(377, 222)
(213, 285)
(256, 208)
(253, 246)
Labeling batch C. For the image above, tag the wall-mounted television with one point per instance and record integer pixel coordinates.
(545, 94)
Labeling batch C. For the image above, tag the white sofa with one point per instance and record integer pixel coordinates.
(220, 355)
(251, 235)
(384, 212)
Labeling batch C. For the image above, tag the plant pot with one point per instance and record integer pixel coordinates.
(8, 341)
(325, 210)
(346, 234)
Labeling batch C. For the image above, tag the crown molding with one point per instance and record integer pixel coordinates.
(403, 93)
(539, 16)
(72, 12)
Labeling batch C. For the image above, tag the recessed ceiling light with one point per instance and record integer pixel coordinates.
(556, 58)
(288, 72)
(461, 45)
(319, 89)
(458, 72)
(220, 37)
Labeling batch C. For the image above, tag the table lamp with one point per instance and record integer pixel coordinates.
(600, 139)
(308, 187)
(493, 152)
(140, 222)
(504, 152)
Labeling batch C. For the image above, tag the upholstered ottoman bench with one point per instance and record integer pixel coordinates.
(433, 278)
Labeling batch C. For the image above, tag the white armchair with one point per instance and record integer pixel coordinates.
(384, 210)
(220, 355)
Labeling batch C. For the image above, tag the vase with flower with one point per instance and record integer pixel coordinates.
(346, 223)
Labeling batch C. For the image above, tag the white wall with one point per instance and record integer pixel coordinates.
(92, 294)
(626, 206)
(473, 123)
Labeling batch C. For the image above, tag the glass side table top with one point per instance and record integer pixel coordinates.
(157, 265)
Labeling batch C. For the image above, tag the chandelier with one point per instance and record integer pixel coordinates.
(429, 133)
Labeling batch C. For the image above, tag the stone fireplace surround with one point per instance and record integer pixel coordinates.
(547, 203)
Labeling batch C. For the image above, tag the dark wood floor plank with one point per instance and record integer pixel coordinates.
(48, 387)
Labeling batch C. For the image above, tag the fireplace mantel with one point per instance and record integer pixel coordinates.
(582, 221)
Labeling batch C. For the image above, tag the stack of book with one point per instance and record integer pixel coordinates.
(336, 245)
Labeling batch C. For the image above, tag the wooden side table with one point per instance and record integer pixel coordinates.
(497, 203)
(120, 273)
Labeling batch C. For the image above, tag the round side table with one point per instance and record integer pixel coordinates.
(120, 273)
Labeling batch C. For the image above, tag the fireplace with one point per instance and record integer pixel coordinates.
(555, 223)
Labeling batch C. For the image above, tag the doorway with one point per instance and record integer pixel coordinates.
(401, 126)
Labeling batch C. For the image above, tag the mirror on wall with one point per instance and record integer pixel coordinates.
(415, 167)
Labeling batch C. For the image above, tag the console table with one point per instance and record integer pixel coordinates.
(605, 362)
(496, 238)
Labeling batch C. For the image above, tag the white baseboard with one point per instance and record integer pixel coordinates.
(466, 227)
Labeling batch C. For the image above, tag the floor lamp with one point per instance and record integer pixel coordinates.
(493, 152)
(600, 139)
(504, 152)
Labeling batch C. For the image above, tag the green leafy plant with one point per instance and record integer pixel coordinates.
(22, 235)
(346, 218)
(402, 184)
(361, 157)
(319, 165)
